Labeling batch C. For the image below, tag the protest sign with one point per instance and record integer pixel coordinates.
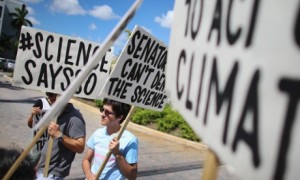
(233, 73)
(139, 75)
(50, 62)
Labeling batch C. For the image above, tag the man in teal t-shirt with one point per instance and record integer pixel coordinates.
(123, 161)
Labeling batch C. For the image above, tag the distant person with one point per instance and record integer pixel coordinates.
(25, 171)
(40, 107)
(123, 162)
(68, 139)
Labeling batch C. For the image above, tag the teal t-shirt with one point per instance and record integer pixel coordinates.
(99, 142)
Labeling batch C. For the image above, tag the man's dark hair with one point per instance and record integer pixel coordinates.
(120, 109)
(50, 94)
(26, 169)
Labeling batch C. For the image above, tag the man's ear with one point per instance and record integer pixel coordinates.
(120, 117)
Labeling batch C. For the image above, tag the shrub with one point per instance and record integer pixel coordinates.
(144, 117)
(167, 121)
(170, 121)
(98, 102)
(188, 133)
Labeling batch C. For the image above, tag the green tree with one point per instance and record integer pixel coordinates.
(19, 19)
(6, 43)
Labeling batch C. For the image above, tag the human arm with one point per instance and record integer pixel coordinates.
(128, 170)
(36, 109)
(29, 121)
(86, 164)
(75, 145)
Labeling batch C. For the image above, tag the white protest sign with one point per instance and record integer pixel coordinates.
(139, 76)
(233, 73)
(50, 62)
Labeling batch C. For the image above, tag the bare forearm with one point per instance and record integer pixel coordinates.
(130, 171)
(34, 111)
(86, 167)
(29, 121)
(75, 145)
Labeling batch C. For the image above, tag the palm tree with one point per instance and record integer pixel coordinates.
(19, 19)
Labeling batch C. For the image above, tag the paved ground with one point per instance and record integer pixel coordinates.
(160, 156)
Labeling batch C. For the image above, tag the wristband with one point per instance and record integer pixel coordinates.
(60, 137)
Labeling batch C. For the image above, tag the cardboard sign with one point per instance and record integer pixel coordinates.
(233, 73)
(139, 76)
(50, 62)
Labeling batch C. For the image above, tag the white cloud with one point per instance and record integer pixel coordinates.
(165, 20)
(70, 7)
(92, 26)
(30, 11)
(33, 20)
(104, 12)
(31, 17)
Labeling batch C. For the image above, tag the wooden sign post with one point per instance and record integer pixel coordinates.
(211, 164)
(48, 156)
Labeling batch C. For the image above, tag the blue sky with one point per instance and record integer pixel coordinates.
(94, 19)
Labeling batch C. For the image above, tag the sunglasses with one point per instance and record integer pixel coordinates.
(106, 112)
